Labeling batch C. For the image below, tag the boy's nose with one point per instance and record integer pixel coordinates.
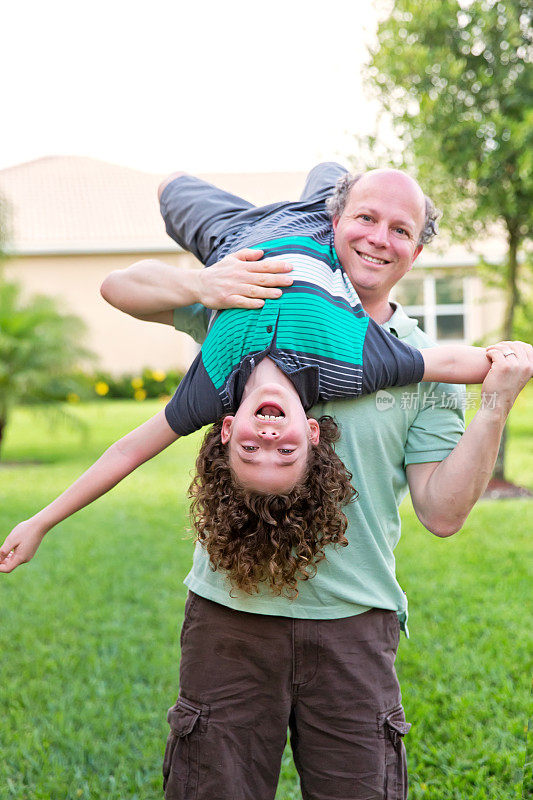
(269, 433)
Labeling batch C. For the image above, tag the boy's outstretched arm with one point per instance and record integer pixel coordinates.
(150, 289)
(115, 464)
(455, 363)
(461, 363)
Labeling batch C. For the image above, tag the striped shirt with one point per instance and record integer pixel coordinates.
(317, 332)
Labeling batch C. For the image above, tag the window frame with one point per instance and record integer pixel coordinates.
(429, 310)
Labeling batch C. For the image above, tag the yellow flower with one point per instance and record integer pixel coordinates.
(137, 383)
(158, 375)
(72, 397)
(139, 394)
(101, 388)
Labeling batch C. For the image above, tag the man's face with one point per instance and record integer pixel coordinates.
(376, 236)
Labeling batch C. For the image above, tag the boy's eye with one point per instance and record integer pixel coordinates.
(285, 451)
(249, 448)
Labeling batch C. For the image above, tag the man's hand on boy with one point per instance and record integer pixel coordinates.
(20, 545)
(242, 280)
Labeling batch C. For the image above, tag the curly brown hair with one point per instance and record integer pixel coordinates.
(272, 538)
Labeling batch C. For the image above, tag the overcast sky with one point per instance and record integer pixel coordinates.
(210, 87)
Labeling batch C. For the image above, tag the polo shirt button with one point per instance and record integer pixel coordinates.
(269, 328)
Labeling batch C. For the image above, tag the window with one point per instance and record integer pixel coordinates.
(438, 303)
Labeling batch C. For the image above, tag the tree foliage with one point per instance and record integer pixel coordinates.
(456, 81)
(37, 341)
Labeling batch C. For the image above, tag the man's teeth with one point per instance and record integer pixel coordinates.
(372, 259)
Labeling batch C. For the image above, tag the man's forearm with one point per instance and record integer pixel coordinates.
(151, 289)
(443, 494)
(151, 286)
(445, 498)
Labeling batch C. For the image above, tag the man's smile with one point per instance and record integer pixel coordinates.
(371, 259)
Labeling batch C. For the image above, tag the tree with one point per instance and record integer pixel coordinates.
(456, 81)
(37, 341)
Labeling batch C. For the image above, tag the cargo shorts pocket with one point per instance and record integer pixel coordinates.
(392, 727)
(181, 763)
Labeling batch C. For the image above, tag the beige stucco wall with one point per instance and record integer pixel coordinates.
(121, 343)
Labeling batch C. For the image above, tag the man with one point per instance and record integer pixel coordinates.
(324, 663)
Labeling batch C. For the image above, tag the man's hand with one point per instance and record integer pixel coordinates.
(243, 280)
(20, 545)
(512, 367)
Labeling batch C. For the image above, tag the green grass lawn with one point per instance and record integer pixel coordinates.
(88, 634)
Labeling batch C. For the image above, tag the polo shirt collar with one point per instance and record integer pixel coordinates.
(400, 324)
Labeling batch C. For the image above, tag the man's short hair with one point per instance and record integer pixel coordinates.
(336, 203)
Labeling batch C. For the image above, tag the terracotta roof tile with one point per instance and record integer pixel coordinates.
(69, 204)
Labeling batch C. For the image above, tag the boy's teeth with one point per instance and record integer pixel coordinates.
(266, 416)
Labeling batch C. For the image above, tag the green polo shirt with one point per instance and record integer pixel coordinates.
(381, 434)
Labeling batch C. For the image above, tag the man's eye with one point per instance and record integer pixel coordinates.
(284, 451)
(249, 448)
(365, 217)
(402, 231)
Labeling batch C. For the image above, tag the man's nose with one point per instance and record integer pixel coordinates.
(379, 235)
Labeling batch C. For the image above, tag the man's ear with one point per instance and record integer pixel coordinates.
(314, 431)
(334, 223)
(418, 250)
(225, 433)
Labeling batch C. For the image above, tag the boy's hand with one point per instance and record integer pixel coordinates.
(20, 545)
(242, 280)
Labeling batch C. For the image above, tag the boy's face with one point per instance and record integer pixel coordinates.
(269, 439)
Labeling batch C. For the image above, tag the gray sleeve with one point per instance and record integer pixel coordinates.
(195, 402)
(387, 361)
(193, 320)
(322, 179)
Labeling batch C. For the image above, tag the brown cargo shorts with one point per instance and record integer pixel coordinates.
(247, 678)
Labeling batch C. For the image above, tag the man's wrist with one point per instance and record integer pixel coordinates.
(197, 285)
(493, 411)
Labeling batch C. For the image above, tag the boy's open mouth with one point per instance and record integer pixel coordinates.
(269, 411)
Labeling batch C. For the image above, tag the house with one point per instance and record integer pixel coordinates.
(74, 219)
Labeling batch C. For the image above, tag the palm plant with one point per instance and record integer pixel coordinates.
(37, 341)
